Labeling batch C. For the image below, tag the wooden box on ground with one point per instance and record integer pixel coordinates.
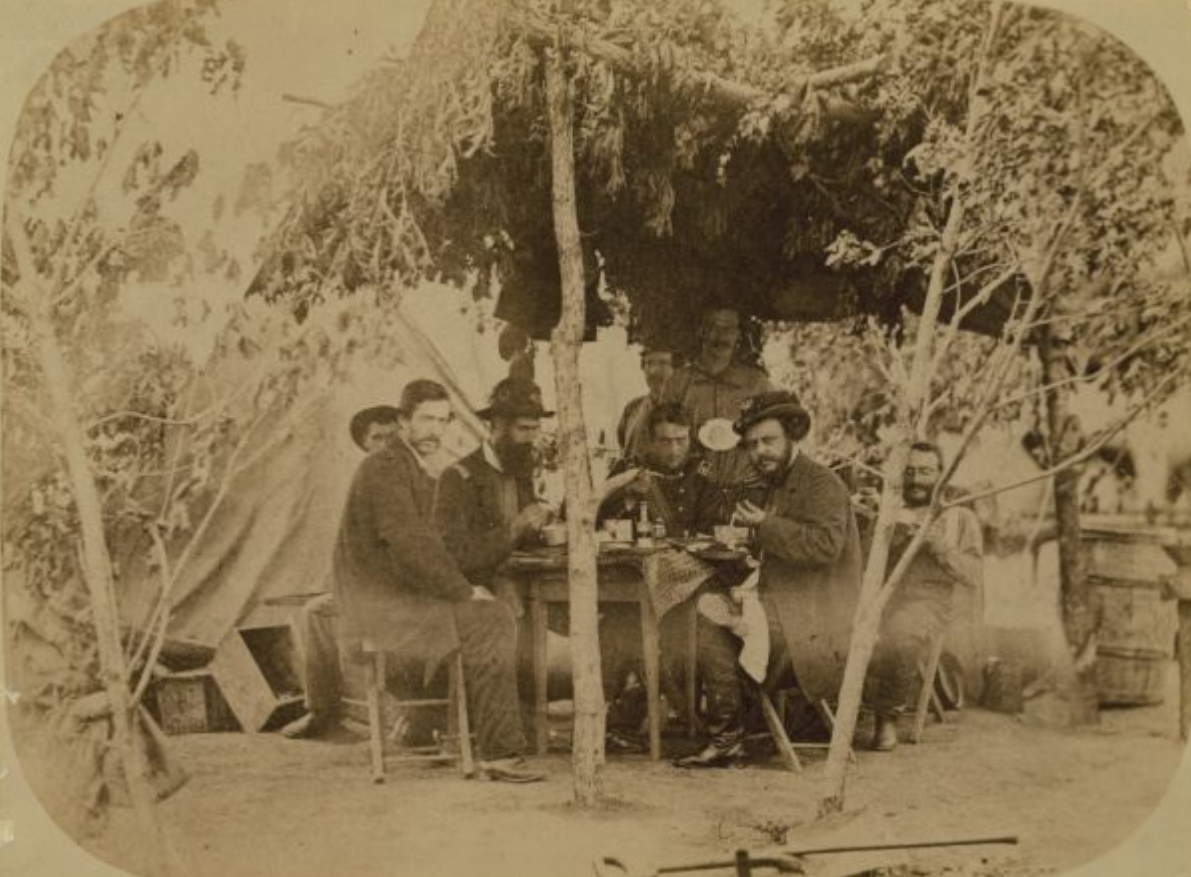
(191, 703)
(257, 669)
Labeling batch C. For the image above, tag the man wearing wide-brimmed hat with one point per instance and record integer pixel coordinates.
(809, 548)
(486, 504)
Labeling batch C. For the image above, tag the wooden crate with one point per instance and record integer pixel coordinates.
(257, 669)
(191, 703)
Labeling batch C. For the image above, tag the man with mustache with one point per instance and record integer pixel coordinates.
(401, 589)
(951, 557)
(809, 548)
(714, 386)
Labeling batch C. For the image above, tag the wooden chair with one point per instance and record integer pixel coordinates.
(928, 698)
(774, 714)
(458, 724)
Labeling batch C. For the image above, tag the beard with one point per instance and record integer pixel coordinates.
(916, 497)
(518, 460)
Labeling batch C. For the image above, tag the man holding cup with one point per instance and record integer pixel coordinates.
(486, 506)
(810, 568)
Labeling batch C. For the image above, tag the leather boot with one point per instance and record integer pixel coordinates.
(726, 750)
(885, 734)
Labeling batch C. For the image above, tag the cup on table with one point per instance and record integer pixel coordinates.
(555, 534)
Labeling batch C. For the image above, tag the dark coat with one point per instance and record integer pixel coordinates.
(810, 572)
(475, 508)
(392, 575)
(685, 501)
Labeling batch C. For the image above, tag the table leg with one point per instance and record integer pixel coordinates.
(537, 615)
(1185, 669)
(692, 670)
(651, 650)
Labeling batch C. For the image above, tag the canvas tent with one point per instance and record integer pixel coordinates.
(273, 534)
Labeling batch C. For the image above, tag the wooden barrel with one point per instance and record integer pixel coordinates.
(1138, 624)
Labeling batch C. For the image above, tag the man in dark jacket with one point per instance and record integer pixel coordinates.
(809, 549)
(401, 590)
(667, 477)
(486, 504)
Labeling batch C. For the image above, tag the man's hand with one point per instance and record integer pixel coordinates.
(479, 592)
(748, 514)
(530, 520)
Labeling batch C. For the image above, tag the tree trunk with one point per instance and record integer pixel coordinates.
(97, 574)
(912, 416)
(588, 743)
(1075, 692)
(874, 593)
(866, 627)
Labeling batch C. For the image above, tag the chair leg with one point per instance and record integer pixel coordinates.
(926, 694)
(374, 675)
(777, 730)
(458, 696)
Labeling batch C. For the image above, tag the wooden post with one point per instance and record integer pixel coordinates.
(1076, 690)
(588, 743)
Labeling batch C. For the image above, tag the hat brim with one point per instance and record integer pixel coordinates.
(781, 409)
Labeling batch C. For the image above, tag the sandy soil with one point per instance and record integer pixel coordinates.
(262, 805)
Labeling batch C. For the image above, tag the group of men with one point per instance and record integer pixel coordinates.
(420, 562)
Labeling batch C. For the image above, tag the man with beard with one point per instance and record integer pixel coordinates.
(950, 557)
(715, 385)
(809, 550)
(486, 505)
(371, 429)
(657, 364)
(402, 591)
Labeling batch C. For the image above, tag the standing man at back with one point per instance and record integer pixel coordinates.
(657, 364)
(400, 589)
(714, 386)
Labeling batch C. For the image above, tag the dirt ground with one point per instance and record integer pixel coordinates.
(263, 805)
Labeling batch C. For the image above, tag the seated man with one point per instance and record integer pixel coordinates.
(371, 429)
(809, 575)
(486, 505)
(951, 557)
(673, 485)
(667, 477)
(400, 589)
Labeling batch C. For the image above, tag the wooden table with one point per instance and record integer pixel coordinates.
(621, 579)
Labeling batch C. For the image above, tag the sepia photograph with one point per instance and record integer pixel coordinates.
(531, 438)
